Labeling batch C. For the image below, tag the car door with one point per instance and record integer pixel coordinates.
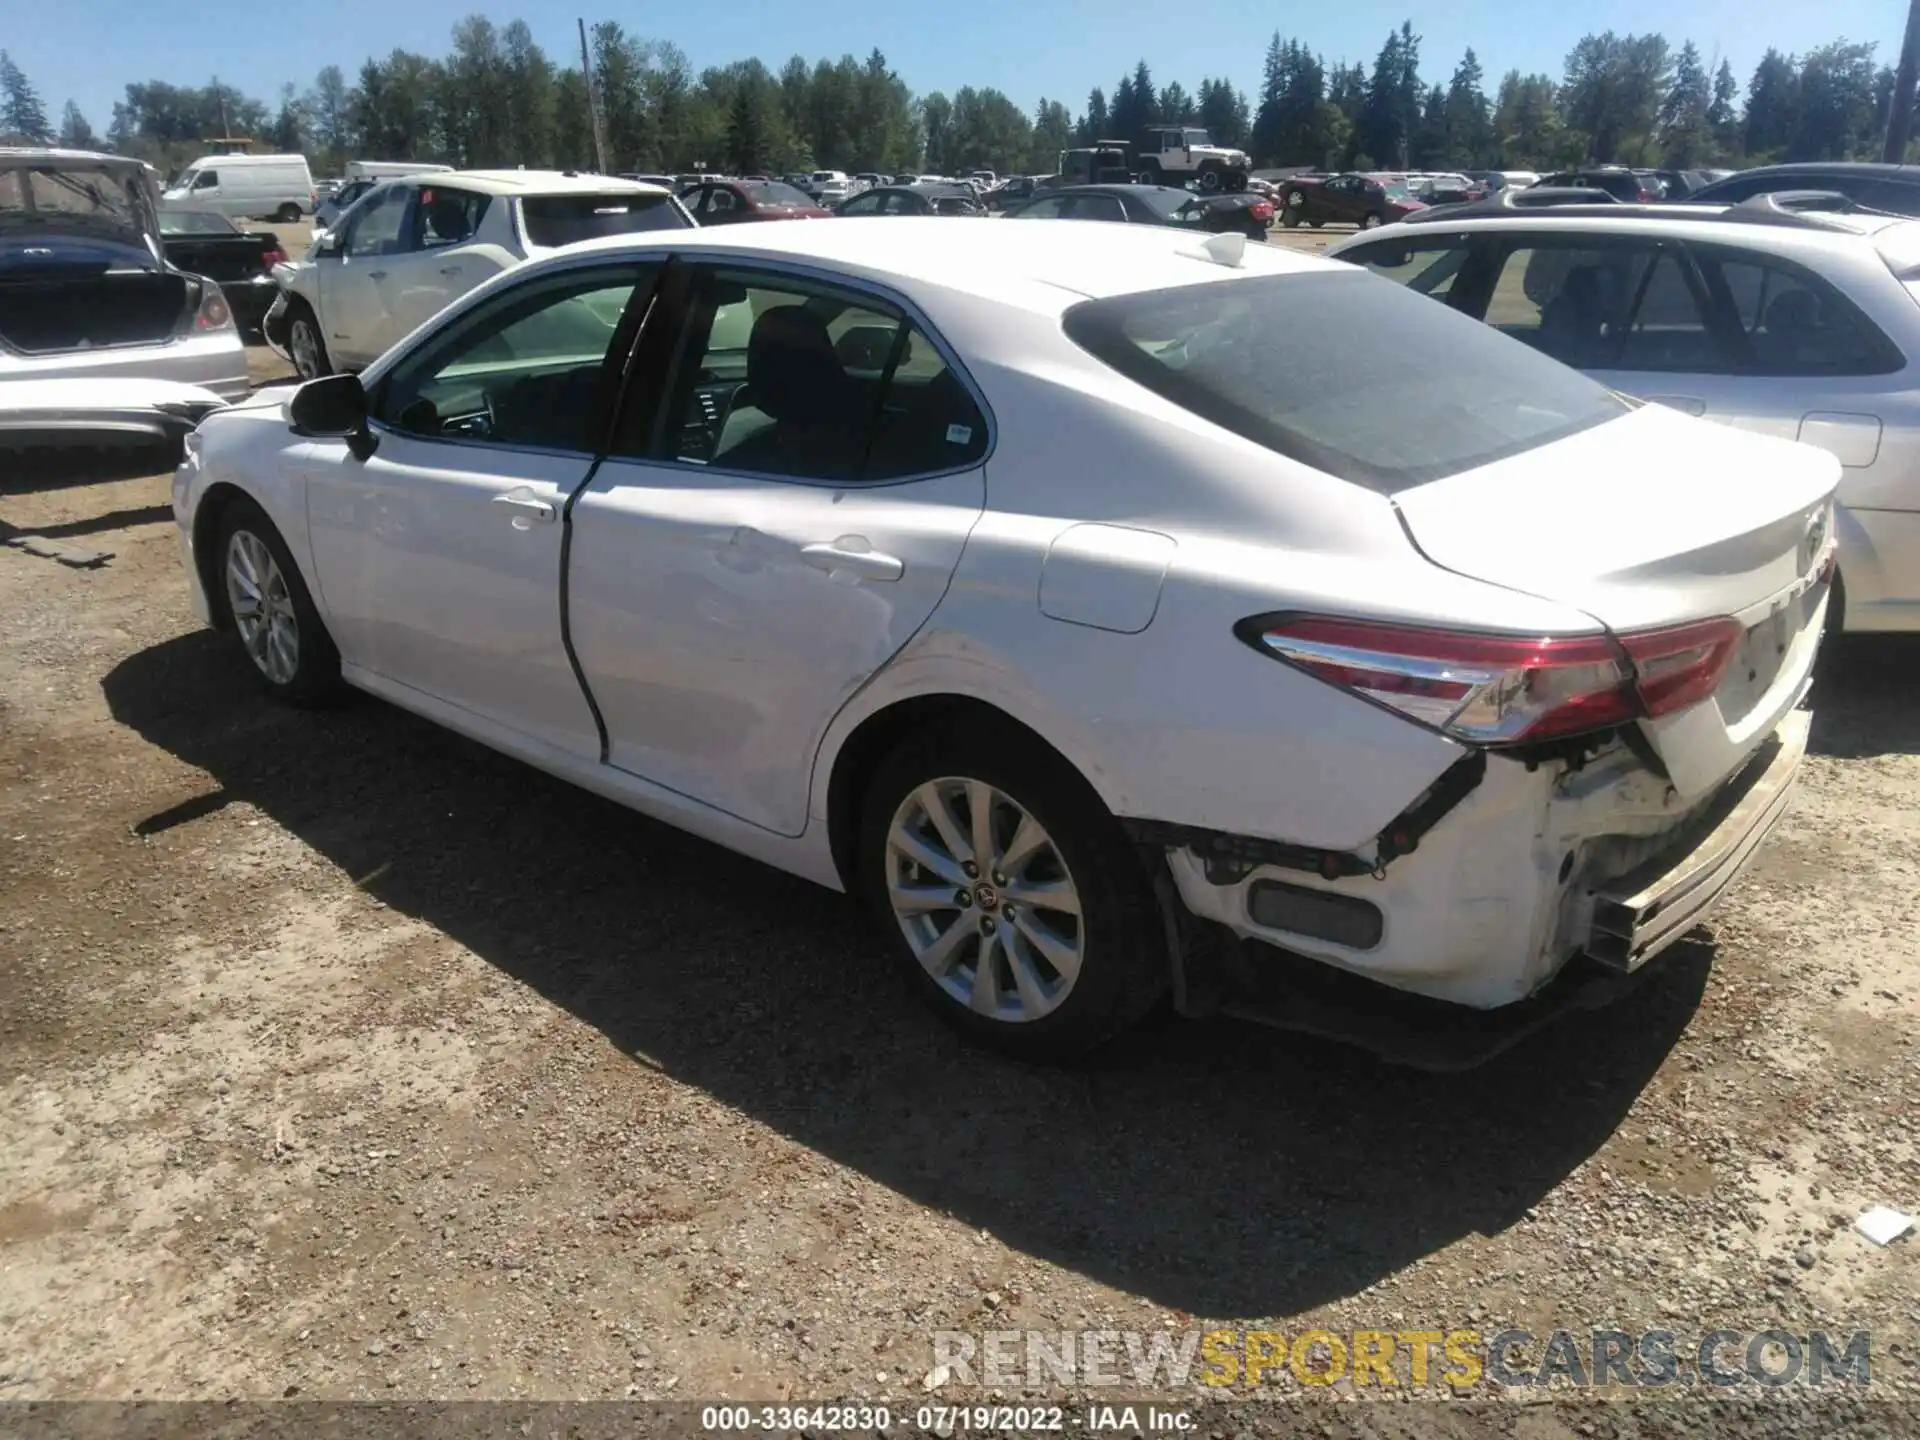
(351, 306)
(867, 204)
(438, 557)
(742, 566)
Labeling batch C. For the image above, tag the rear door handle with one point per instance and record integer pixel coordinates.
(526, 508)
(852, 555)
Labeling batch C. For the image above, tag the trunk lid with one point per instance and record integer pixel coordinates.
(1651, 521)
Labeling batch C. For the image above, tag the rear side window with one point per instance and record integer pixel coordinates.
(1795, 323)
(1413, 392)
(554, 220)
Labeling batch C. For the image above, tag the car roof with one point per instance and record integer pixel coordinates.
(1042, 265)
(1880, 169)
(23, 155)
(531, 182)
(1892, 235)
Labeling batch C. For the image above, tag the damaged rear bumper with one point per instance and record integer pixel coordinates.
(1646, 910)
(1541, 889)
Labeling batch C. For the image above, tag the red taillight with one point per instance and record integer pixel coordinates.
(273, 257)
(1679, 667)
(1646, 196)
(1509, 689)
(1260, 210)
(213, 313)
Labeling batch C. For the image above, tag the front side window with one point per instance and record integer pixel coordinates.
(1428, 269)
(445, 216)
(523, 369)
(1096, 207)
(721, 201)
(862, 205)
(206, 179)
(1412, 393)
(810, 382)
(377, 223)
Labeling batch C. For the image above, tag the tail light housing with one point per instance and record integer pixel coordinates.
(1260, 210)
(1499, 690)
(214, 313)
(273, 257)
(1646, 196)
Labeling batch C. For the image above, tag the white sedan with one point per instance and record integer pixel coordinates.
(1036, 585)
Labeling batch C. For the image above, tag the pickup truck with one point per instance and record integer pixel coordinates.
(202, 242)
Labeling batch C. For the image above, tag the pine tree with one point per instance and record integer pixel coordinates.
(22, 115)
(75, 132)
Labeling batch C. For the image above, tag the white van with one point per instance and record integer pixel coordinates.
(276, 187)
(389, 169)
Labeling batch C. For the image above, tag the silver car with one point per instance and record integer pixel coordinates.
(85, 290)
(1784, 321)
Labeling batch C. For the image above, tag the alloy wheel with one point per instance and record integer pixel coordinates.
(984, 899)
(305, 346)
(262, 607)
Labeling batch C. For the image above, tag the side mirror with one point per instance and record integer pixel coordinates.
(333, 407)
(324, 247)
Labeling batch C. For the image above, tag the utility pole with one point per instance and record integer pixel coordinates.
(1900, 111)
(593, 99)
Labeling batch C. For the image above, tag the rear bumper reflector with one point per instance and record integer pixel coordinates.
(1647, 909)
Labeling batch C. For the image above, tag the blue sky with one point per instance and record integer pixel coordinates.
(87, 50)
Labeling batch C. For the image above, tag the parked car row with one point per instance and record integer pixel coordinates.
(1768, 316)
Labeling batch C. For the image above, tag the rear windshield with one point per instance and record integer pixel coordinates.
(772, 192)
(1413, 390)
(196, 222)
(554, 220)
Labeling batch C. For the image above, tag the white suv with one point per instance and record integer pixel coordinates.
(1784, 321)
(413, 245)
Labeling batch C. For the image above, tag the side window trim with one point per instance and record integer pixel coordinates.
(623, 344)
(674, 337)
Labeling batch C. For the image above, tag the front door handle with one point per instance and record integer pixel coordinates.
(526, 508)
(852, 555)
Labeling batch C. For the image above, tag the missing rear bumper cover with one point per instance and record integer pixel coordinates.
(1229, 858)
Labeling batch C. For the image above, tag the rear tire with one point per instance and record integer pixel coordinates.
(270, 611)
(1372, 221)
(287, 215)
(305, 347)
(1078, 893)
(1291, 208)
(1210, 179)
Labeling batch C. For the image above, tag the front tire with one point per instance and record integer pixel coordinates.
(1371, 221)
(271, 612)
(305, 347)
(1009, 893)
(1210, 179)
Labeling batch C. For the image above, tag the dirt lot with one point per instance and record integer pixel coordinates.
(343, 1058)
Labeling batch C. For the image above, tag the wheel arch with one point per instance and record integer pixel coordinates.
(207, 518)
(869, 742)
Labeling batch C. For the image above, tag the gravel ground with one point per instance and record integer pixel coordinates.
(342, 1058)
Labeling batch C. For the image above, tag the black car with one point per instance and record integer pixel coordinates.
(1892, 188)
(204, 242)
(1633, 187)
(1238, 211)
(913, 200)
(1009, 192)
